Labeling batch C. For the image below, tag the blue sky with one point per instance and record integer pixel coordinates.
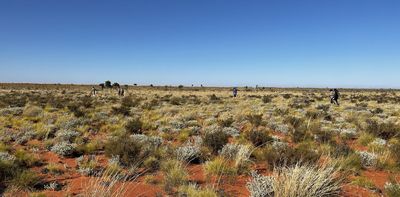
(321, 43)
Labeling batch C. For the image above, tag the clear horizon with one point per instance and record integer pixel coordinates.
(344, 44)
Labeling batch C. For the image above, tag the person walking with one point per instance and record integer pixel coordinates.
(93, 92)
(235, 90)
(334, 95)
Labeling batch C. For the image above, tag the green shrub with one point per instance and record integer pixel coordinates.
(174, 174)
(351, 163)
(365, 138)
(288, 156)
(219, 167)
(364, 182)
(286, 96)
(215, 140)
(176, 100)
(392, 189)
(25, 159)
(295, 122)
(213, 98)
(134, 126)
(266, 99)
(299, 134)
(128, 149)
(123, 110)
(322, 135)
(151, 163)
(395, 150)
(227, 122)
(194, 191)
(76, 110)
(384, 130)
(25, 179)
(129, 102)
(32, 111)
(255, 119)
(259, 137)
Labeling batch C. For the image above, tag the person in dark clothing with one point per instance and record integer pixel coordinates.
(235, 92)
(334, 95)
(93, 92)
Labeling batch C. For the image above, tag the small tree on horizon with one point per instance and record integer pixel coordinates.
(108, 84)
(115, 85)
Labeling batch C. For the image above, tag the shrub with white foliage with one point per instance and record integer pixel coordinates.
(238, 153)
(153, 141)
(379, 142)
(392, 189)
(63, 148)
(54, 186)
(278, 145)
(7, 156)
(348, 133)
(233, 132)
(67, 135)
(260, 186)
(187, 153)
(15, 111)
(72, 123)
(368, 159)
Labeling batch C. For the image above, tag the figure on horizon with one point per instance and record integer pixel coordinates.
(93, 92)
(334, 95)
(235, 92)
(121, 92)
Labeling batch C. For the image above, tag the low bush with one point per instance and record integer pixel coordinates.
(259, 137)
(364, 182)
(188, 153)
(64, 148)
(368, 159)
(298, 181)
(219, 167)
(215, 140)
(174, 175)
(32, 111)
(25, 179)
(238, 154)
(287, 156)
(255, 119)
(225, 122)
(128, 149)
(151, 163)
(384, 130)
(195, 191)
(134, 126)
(266, 99)
(392, 189)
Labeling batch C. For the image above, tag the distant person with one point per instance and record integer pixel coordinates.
(235, 92)
(121, 92)
(93, 92)
(334, 95)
